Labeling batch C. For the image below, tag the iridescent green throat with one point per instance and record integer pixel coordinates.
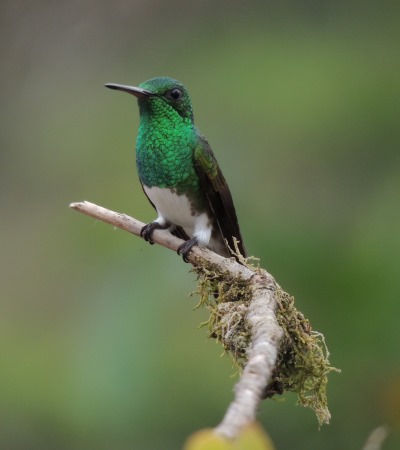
(164, 147)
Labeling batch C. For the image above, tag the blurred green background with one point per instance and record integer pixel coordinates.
(300, 101)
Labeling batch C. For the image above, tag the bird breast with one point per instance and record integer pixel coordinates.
(179, 210)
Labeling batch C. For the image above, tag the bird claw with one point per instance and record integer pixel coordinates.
(147, 231)
(185, 248)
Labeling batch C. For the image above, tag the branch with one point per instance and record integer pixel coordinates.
(376, 438)
(266, 334)
(264, 328)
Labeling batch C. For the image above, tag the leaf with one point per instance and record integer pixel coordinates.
(207, 440)
(253, 437)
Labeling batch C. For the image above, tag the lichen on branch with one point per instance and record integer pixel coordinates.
(302, 364)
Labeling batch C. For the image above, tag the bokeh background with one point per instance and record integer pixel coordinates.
(300, 101)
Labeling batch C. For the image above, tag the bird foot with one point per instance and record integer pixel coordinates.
(185, 248)
(147, 231)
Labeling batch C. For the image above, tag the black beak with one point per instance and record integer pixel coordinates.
(137, 92)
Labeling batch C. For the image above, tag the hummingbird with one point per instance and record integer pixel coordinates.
(179, 173)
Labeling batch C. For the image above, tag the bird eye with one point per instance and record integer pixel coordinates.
(175, 94)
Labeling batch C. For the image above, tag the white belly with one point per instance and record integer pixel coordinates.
(178, 210)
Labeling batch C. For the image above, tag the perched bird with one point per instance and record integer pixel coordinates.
(179, 172)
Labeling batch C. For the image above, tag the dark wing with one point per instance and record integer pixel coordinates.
(218, 195)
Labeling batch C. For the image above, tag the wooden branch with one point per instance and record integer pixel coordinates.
(265, 331)
(266, 335)
(376, 438)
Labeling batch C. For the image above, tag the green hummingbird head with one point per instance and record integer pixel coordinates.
(161, 96)
(167, 135)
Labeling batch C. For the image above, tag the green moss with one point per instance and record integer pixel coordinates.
(303, 360)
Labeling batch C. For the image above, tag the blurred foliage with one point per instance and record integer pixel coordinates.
(300, 101)
(252, 437)
(207, 440)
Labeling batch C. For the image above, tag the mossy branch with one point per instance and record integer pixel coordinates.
(255, 321)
